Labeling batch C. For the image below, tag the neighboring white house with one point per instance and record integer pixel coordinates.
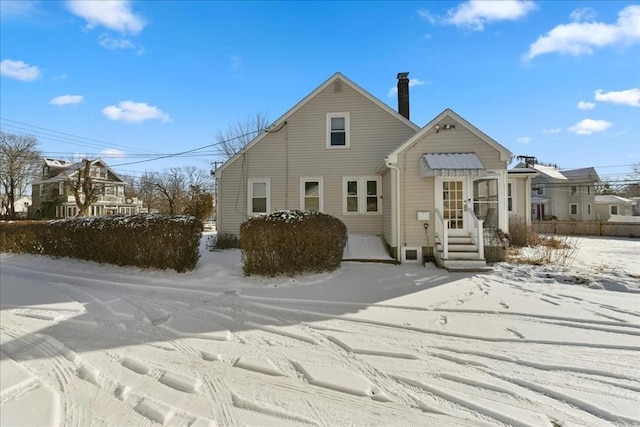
(52, 196)
(608, 205)
(344, 152)
(563, 194)
(21, 204)
(519, 195)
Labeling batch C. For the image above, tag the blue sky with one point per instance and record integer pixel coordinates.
(132, 81)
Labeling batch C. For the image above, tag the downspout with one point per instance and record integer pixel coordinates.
(397, 169)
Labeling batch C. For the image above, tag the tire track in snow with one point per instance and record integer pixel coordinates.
(62, 369)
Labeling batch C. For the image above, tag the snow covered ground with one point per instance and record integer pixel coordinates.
(370, 344)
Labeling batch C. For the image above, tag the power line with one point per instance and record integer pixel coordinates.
(63, 137)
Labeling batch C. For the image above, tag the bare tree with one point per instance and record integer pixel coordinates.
(171, 185)
(240, 134)
(84, 190)
(19, 162)
(148, 191)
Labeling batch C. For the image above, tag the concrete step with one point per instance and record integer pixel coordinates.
(465, 265)
(459, 247)
(463, 255)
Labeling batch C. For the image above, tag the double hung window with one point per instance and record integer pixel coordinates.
(362, 195)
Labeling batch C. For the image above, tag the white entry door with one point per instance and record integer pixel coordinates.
(451, 194)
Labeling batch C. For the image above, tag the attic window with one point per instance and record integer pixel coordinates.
(337, 86)
(337, 130)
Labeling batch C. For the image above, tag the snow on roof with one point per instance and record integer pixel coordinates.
(550, 171)
(610, 199)
(56, 162)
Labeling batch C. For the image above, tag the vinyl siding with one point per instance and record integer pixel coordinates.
(298, 149)
(387, 207)
(418, 192)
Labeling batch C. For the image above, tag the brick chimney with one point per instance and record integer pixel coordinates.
(403, 94)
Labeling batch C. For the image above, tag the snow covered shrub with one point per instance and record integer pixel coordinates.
(292, 242)
(21, 236)
(144, 240)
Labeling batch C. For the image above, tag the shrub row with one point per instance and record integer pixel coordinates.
(144, 240)
(292, 242)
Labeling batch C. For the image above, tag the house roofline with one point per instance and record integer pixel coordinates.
(505, 154)
(282, 119)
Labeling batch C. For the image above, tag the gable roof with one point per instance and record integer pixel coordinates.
(505, 155)
(610, 199)
(280, 121)
(589, 174)
(74, 168)
(583, 174)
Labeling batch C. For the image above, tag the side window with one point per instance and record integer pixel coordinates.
(311, 194)
(259, 197)
(352, 196)
(613, 210)
(574, 189)
(362, 195)
(338, 130)
(573, 209)
(510, 206)
(373, 193)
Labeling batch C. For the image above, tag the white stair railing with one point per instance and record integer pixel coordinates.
(477, 232)
(442, 233)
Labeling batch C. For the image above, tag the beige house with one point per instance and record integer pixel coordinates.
(52, 196)
(424, 191)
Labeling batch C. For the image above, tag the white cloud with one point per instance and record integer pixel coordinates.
(63, 100)
(113, 153)
(583, 14)
(474, 14)
(115, 15)
(412, 82)
(111, 43)
(552, 131)
(134, 112)
(589, 126)
(578, 38)
(114, 44)
(629, 97)
(19, 70)
(585, 105)
(523, 140)
(22, 8)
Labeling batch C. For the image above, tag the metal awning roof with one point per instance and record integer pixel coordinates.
(451, 164)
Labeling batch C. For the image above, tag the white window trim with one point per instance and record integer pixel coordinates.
(362, 194)
(611, 209)
(320, 182)
(577, 210)
(537, 188)
(573, 190)
(512, 184)
(250, 183)
(347, 131)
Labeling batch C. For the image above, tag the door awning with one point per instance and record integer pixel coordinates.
(451, 164)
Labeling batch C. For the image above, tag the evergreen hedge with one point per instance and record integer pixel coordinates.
(292, 242)
(143, 240)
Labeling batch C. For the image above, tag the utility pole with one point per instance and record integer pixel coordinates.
(215, 164)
